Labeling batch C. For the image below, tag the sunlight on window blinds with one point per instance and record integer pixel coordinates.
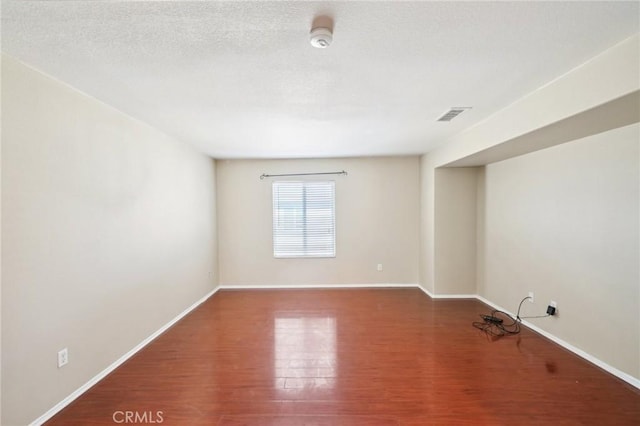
(304, 219)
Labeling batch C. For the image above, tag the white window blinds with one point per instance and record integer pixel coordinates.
(304, 219)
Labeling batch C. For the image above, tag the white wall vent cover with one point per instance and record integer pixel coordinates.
(452, 113)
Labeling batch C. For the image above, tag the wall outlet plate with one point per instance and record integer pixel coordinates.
(530, 297)
(63, 357)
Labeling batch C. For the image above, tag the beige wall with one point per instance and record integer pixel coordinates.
(455, 231)
(603, 79)
(589, 96)
(108, 232)
(564, 223)
(427, 221)
(553, 114)
(377, 210)
(0, 243)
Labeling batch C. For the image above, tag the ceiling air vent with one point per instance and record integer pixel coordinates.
(452, 113)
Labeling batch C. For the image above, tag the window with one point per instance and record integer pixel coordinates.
(304, 219)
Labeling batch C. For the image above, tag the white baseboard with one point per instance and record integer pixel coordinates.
(82, 389)
(425, 291)
(634, 381)
(309, 286)
(448, 296)
(610, 369)
(454, 296)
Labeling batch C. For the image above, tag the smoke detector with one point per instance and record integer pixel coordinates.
(321, 37)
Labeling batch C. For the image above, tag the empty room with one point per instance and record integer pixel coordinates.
(342, 213)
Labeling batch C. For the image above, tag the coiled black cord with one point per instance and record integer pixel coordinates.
(500, 323)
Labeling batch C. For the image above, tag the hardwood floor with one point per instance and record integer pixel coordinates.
(374, 357)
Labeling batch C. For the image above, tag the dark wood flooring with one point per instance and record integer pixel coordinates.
(350, 357)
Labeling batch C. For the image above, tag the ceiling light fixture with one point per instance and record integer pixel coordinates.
(321, 37)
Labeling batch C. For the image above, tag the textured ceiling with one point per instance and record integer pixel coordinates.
(240, 79)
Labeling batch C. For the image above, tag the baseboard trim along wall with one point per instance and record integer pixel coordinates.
(448, 296)
(82, 389)
(310, 286)
(608, 368)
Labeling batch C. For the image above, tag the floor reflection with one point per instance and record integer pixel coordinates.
(305, 354)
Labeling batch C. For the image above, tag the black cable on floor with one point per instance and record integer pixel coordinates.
(500, 323)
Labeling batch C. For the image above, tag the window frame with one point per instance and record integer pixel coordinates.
(304, 249)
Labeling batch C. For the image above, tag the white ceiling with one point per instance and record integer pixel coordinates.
(240, 79)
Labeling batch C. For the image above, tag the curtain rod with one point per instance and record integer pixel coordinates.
(262, 176)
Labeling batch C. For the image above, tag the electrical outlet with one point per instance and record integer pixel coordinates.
(379, 266)
(530, 297)
(63, 357)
